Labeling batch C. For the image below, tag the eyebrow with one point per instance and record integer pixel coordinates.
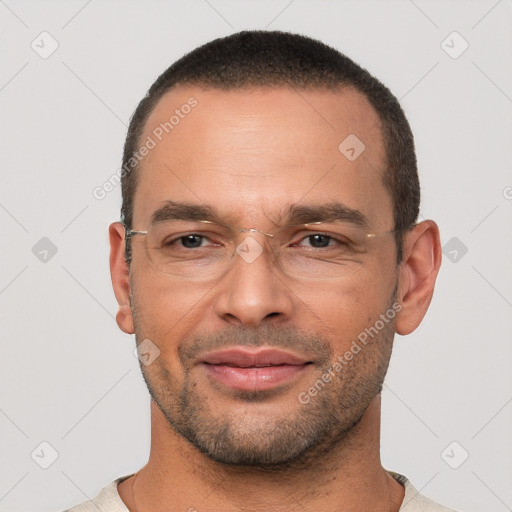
(330, 212)
(294, 214)
(173, 210)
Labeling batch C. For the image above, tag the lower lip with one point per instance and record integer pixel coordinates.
(254, 379)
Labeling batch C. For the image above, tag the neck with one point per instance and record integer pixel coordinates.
(179, 477)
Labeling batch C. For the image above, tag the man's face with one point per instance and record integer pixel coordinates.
(252, 156)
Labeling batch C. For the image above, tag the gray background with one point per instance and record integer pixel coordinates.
(68, 375)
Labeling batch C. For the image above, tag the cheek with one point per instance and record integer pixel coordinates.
(346, 307)
(166, 310)
(341, 310)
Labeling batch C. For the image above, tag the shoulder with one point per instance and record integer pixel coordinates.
(414, 501)
(108, 500)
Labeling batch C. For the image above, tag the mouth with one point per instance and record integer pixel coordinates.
(250, 370)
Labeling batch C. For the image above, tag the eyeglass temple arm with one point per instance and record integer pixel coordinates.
(131, 232)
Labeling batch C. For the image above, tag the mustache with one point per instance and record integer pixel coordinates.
(312, 346)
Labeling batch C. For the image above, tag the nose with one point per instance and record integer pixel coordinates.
(253, 291)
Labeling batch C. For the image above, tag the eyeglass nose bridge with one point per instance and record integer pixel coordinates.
(244, 230)
(249, 249)
(254, 230)
(270, 235)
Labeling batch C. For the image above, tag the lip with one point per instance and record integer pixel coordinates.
(253, 370)
(245, 358)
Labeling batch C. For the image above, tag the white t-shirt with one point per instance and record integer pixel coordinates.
(108, 500)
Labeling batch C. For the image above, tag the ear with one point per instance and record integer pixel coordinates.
(417, 275)
(119, 272)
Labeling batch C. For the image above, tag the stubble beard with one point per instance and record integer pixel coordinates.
(294, 440)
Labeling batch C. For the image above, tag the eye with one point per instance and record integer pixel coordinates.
(188, 241)
(321, 241)
(192, 241)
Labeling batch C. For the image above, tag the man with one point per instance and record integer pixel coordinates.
(267, 254)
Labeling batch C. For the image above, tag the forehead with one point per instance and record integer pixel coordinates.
(257, 150)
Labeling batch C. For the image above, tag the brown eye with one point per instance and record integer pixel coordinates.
(319, 240)
(192, 241)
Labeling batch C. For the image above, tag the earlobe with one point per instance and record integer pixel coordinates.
(124, 319)
(418, 273)
(119, 272)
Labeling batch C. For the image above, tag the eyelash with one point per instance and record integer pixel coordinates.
(338, 240)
